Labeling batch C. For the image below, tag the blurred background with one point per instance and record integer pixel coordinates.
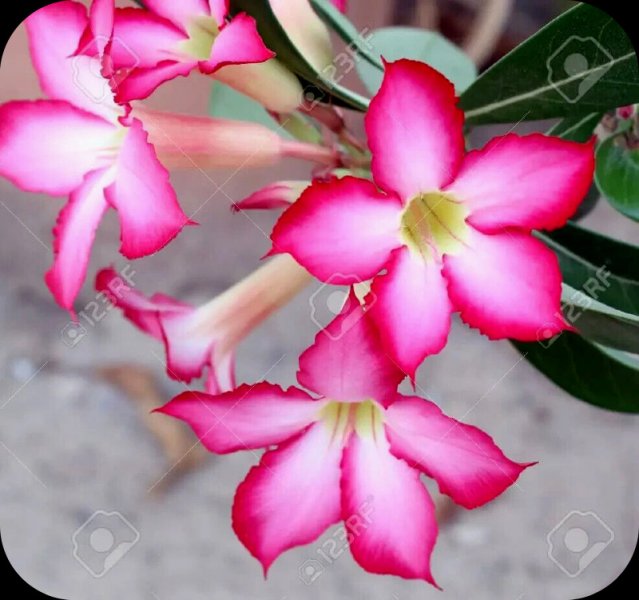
(80, 458)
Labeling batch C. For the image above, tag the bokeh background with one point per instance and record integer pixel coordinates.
(76, 438)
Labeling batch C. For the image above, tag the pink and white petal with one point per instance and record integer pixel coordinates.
(464, 460)
(341, 231)
(530, 182)
(188, 343)
(246, 418)
(508, 285)
(411, 309)
(149, 212)
(347, 362)
(101, 15)
(291, 498)
(219, 10)
(142, 39)
(180, 13)
(238, 43)
(49, 146)
(280, 194)
(141, 311)
(415, 130)
(54, 34)
(342, 5)
(221, 375)
(139, 84)
(387, 510)
(73, 237)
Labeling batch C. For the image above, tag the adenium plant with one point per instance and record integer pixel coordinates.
(415, 219)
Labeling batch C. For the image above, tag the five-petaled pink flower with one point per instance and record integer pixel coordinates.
(80, 142)
(352, 451)
(451, 231)
(172, 38)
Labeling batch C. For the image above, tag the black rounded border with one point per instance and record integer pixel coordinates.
(619, 11)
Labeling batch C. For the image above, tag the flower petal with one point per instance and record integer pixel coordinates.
(291, 497)
(237, 43)
(533, 182)
(143, 39)
(219, 10)
(140, 83)
(54, 34)
(415, 130)
(147, 205)
(508, 285)
(180, 13)
(249, 417)
(411, 309)
(73, 237)
(141, 311)
(399, 530)
(49, 146)
(280, 194)
(347, 362)
(465, 461)
(101, 17)
(341, 231)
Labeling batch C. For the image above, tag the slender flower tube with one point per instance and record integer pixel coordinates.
(202, 337)
(451, 230)
(352, 450)
(80, 142)
(185, 141)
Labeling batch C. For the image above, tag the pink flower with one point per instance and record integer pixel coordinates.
(452, 231)
(174, 38)
(350, 451)
(80, 142)
(206, 337)
(341, 4)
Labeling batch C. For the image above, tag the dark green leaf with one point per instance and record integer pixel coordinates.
(600, 323)
(601, 267)
(276, 39)
(617, 176)
(427, 46)
(357, 40)
(586, 371)
(577, 129)
(580, 63)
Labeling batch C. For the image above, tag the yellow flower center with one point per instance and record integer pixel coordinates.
(434, 224)
(202, 33)
(342, 418)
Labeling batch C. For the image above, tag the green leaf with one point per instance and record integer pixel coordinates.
(355, 39)
(577, 129)
(600, 323)
(317, 85)
(588, 372)
(601, 267)
(617, 176)
(582, 62)
(394, 43)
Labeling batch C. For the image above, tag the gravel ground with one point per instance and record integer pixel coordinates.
(71, 445)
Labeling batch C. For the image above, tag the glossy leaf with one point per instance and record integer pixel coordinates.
(393, 43)
(601, 267)
(580, 63)
(597, 376)
(577, 129)
(600, 323)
